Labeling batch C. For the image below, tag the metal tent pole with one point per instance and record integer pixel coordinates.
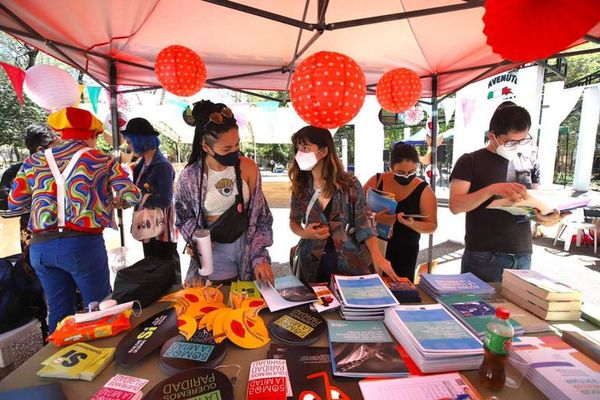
(112, 74)
(434, 132)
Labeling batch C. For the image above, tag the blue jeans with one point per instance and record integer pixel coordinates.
(67, 263)
(488, 266)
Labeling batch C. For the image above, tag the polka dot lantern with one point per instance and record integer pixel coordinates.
(398, 90)
(180, 71)
(328, 89)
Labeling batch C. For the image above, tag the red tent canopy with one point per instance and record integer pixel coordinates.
(257, 39)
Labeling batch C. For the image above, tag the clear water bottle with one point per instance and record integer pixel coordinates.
(497, 344)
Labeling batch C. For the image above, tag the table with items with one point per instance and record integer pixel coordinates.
(153, 349)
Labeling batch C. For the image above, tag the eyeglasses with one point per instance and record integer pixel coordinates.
(217, 117)
(514, 143)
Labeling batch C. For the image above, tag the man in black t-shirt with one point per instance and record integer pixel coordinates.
(495, 239)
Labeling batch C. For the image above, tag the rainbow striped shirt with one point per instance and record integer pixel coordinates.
(88, 190)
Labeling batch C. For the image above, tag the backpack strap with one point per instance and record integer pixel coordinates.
(61, 178)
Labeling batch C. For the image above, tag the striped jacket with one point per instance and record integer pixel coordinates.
(88, 190)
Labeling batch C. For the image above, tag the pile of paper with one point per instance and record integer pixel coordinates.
(555, 368)
(433, 338)
(363, 297)
(467, 283)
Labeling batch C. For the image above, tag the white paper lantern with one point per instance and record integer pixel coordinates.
(51, 87)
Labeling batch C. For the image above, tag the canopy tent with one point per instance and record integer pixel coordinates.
(252, 45)
(255, 45)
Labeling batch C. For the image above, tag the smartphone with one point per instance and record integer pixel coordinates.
(415, 216)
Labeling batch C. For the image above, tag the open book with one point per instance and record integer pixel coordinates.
(544, 202)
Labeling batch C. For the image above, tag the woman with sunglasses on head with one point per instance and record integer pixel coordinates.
(221, 191)
(329, 213)
(414, 197)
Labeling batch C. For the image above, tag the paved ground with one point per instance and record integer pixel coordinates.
(579, 267)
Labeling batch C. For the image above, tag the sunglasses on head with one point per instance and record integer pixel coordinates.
(217, 117)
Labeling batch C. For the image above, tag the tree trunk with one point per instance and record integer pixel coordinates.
(31, 56)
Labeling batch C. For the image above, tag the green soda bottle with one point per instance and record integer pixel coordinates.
(496, 344)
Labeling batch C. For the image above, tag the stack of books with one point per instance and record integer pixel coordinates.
(555, 368)
(467, 283)
(78, 361)
(404, 290)
(540, 295)
(362, 297)
(434, 339)
(474, 312)
(529, 322)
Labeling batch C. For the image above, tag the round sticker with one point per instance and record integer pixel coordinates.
(297, 327)
(178, 354)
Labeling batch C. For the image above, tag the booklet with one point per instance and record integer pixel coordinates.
(377, 201)
(121, 387)
(364, 349)
(326, 300)
(474, 312)
(310, 372)
(538, 285)
(78, 361)
(545, 206)
(442, 386)
(287, 292)
(268, 380)
(466, 283)
(364, 291)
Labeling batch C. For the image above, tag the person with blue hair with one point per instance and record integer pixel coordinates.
(154, 175)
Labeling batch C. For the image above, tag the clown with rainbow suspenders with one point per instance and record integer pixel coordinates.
(69, 190)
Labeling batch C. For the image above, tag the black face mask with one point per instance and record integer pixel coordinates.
(227, 160)
(404, 180)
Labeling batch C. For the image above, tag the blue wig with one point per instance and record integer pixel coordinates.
(143, 143)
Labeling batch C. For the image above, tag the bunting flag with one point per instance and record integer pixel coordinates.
(80, 98)
(94, 94)
(17, 77)
(468, 108)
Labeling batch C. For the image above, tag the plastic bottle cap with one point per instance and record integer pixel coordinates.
(502, 313)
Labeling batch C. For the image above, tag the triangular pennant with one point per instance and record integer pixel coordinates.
(17, 77)
(94, 94)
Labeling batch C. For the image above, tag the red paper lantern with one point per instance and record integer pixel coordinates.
(328, 89)
(528, 30)
(398, 90)
(180, 71)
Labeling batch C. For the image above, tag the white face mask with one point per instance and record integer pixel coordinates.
(306, 161)
(507, 152)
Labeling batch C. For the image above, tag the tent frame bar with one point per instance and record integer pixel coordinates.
(433, 161)
(263, 14)
(248, 92)
(71, 47)
(404, 15)
(48, 43)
